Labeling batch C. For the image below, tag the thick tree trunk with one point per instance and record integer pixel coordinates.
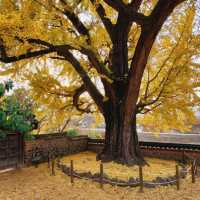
(121, 139)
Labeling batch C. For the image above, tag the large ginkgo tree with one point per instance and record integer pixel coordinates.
(127, 56)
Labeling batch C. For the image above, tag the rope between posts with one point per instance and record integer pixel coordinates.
(126, 184)
(165, 183)
(106, 181)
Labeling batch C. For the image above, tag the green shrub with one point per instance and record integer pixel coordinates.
(29, 137)
(71, 133)
(95, 135)
(16, 114)
(2, 135)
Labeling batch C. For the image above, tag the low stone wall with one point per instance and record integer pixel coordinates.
(97, 148)
(59, 144)
(169, 154)
(64, 145)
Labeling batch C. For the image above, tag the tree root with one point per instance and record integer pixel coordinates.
(108, 157)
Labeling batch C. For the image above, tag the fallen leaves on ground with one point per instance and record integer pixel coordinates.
(86, 161)
(37, 184)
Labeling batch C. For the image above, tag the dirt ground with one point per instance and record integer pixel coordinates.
(37, 184)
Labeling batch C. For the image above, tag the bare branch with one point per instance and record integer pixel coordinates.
(162, 85)
(148, 83)
(147, 110)
(65, 125)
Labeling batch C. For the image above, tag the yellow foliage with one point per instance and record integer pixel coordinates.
(172, 57)
(53, 82)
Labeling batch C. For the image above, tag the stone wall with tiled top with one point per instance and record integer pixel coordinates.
(64, 145)
(54, 143)
(171, 154)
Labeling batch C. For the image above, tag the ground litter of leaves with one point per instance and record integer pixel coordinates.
(86, 161)
(37, 184)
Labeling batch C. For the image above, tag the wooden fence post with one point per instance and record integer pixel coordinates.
(183, 157)
(141, 179)
(193, 171)
(53, 167)
(101, 175)
(48, 160)
(177, 178)
(58, 161)
(72, 172)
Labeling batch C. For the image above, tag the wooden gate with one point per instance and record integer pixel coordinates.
(11, 151)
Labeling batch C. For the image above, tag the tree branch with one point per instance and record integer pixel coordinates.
(63, 51)
(96, 63)
(65, 125)
(162, 84)
(77, 23)
(76, 97)
(91, 88)
(102, 14)
(148, 83)
(149, 109)
(135, 4)
(8, 59)
(128, 10)
(82, 30)
(80, 27)
(4, 57)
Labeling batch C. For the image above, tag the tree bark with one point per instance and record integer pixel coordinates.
(118, 147)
